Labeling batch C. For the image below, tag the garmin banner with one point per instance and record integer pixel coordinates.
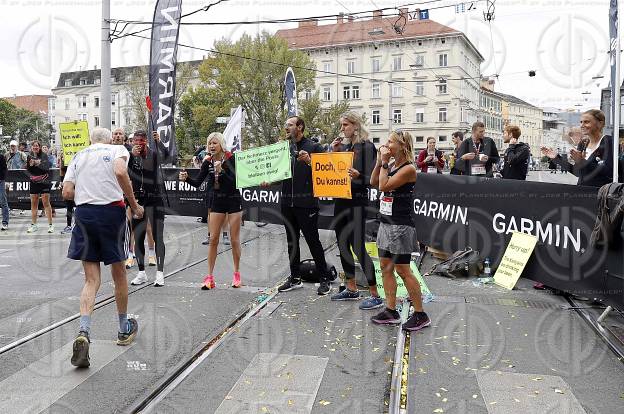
(162, 72)
(455, 212)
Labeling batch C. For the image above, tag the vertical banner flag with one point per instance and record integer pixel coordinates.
(290, 89)
(162, 72)
(614, 46)
(232, 133)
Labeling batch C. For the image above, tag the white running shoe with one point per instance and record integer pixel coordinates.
(140, 279)
(160, 279)
(33, 228)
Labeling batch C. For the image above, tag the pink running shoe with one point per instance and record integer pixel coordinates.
(236, 281)
(209, 283)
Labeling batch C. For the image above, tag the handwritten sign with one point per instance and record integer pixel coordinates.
(74, 138)
(330, 174)
(514, 260)
(269, 163)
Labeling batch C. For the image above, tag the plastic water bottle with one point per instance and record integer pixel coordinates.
(487, 270)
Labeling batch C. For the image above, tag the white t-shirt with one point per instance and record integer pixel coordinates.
(92, 172)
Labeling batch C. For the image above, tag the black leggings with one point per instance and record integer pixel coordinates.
(69, 204)
(155, 214)
(350, 228)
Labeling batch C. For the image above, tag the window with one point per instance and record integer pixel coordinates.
(127, 117)
(420, 61)
(442, 138)
(96, 121)
(376, 117)
(346, 92)
(66, 103)
(443, 59)
(52, 104)
(397, 91)
(420, 138)
(308, 94)
(375, 65)
(113, 119)
(82, 117)
(396, 63)
(68, 82)
(96, 101)
(97, 81)
(397, 116)
(376, 90)
(82, 101)
(351, 92)
(351, 66)
(327, 66)
(83, 81)
(420, 115)
(442, 114)
(441, 86)
(326, 93)
(355, 92)
(376, 140)
(113, 98)
(420, 88)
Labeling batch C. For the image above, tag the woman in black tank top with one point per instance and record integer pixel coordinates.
(395, 175)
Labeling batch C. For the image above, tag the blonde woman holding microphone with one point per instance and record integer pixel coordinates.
(218, 168)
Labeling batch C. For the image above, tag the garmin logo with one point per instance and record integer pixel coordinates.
(262, 196)
(557, 235)
(441, 211)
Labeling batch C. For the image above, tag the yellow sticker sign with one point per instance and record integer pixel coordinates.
(330, 174)
(514, 260)
(74, 137)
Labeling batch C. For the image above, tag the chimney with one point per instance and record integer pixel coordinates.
(340, 18)
(308, 23)
(350, 18)
(377, 15)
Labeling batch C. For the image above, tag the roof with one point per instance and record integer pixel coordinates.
(309, 35)
(34, 103)
(120, 74)
(513, 99)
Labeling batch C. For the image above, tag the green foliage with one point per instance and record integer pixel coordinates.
(23, 125)
(229, 81)
(322, 122)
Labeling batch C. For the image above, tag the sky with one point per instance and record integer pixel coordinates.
(565, 42)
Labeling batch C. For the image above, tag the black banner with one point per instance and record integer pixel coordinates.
(162, 72)
(453, 212)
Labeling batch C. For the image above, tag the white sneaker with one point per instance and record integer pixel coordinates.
(140, 279)
(33, 228)
(160, 279)
(226, 239)
(51, 228)
(4, 227)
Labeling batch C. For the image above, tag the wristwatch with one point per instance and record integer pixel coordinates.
(384, 165)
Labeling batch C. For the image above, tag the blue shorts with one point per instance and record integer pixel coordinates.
(99, 235)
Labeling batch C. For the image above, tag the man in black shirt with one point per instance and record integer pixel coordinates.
(516, 155)
(478, 154)
(457, 137)
(300, 208)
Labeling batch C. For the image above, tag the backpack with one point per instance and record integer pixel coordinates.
(607, 230)
(308, 273)
(463, 263)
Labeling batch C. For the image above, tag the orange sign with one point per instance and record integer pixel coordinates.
(330, 174)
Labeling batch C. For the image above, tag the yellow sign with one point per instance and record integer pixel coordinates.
(330, 174)
(74, 137)
(514, 260)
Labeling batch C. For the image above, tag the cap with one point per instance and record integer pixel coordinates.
(14, 142)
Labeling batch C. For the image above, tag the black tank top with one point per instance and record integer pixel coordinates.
(395, 206)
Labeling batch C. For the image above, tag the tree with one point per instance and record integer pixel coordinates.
(258, 86)
(322, 122)
(22, 124)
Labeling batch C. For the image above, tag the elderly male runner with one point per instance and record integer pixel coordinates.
(97, 179)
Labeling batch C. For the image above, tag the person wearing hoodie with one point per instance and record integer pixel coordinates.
(516, 156)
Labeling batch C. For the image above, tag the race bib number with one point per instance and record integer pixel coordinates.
(478, 169)
(432, 170)
(385, 205)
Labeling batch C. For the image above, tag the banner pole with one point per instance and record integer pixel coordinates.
(105, 63)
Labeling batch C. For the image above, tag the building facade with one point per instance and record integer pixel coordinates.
(528, 117)
(491, 114)
(77, 96)
(418, 75)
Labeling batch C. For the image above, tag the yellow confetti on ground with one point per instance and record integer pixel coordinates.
(228, 397)
(558, 391)
(444, 399)
(536, 379)
(474, 395)
(438, 410)
(438, 395)
(264, 410)
(444, 389)
(323, 402)
(516, 400)
(290, 402)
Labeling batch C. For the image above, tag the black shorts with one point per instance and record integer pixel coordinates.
(42, 187)
(99, 235)
(226, 205)
(396, 258)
